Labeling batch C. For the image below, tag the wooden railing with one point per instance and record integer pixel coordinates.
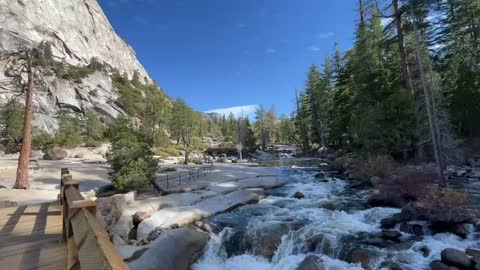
(88, 245)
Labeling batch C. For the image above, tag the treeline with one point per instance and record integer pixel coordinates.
(407, 89)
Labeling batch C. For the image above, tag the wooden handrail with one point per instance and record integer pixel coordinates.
(88, 244)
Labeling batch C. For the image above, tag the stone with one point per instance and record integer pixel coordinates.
(438, 265)
(389, 265)
(139, 217)
(329, 206)
(266, 239)
(311, 262)
(176, 249)
(320, 175)
(184, 215)
(387, 199)
(55, 153)
(455, 257)
(375, 181)
(364, 257)
(77, 32)
(390, 222)
(473, 252)
(298, 195)
(319, 244)
(79, 155)
(411, 228)
(391, 234)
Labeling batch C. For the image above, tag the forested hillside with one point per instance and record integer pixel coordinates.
(408, 88)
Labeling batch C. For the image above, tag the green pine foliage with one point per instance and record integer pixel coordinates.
(11, 125)
(130, 156)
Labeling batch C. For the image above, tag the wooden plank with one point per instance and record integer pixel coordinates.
(95, 249)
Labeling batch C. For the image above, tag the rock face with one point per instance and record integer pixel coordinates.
(183, 215)
(176, 249)
(77, 31)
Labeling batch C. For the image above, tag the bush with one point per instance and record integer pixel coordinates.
(130, 157)
(410, 184)
(381, 166)
(170, 151)
(41, 139)
(133, 176)
(70, 129)
(445, 198)
(11, 125)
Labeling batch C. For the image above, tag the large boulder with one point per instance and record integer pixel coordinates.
(362, 256)
(438, 265)
(387, 199)
(311, 262)
(262, 240)
(174, 250)
(319, 244)
(457, 258)
(184, 215)
(55, 153)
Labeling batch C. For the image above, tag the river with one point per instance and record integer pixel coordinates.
(331, 210)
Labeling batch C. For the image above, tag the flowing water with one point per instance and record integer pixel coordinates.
(346, 217)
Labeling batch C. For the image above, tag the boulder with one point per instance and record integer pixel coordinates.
(55, 153)
(411, 228)
(266, 239)
(390, 222)
(362, 256)
(298, 195)
(390, 265)
(184, 215)
(311, 262)
(438, 265)
(387, 199)
(455, 257)
(139, 217)
(391, 234)
(473, 252)
(375, 180)
(319, 244)
(176, 249)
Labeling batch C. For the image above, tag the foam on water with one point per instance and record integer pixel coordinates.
(332, 224)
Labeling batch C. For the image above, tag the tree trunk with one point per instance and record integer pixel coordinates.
(406, 75)
(431, 114)
(22, 181)
(186, 156)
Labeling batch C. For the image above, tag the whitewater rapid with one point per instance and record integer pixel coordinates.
(350, 217)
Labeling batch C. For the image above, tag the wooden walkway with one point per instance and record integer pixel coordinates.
(31, 238)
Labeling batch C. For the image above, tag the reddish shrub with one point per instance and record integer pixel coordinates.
(381, 166)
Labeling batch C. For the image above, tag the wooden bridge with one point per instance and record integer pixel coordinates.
(59, 235)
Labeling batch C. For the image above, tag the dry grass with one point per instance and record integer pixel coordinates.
(445, 198)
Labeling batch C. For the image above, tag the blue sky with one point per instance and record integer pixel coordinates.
(224, 53)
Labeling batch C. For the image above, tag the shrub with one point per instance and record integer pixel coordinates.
(41, 139)
(70, 129)
(170, 151)
(445, 198)
(381, 166)
(11, 125)
(133, 176)
(411, 184)
(130, 157)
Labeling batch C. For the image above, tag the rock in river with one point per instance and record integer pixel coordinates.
(176, 249)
